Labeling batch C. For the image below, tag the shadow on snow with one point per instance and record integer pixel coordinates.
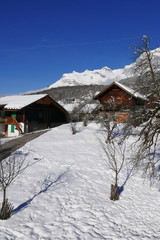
(129, 174)
(46, 185)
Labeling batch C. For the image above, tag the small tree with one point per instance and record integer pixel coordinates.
(10, 168)
(89, 108)
(114, 160)
(74, 118)
(83, 111)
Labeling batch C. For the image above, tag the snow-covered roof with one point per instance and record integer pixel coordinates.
(19, 101)
(131, 91)
(126, 89)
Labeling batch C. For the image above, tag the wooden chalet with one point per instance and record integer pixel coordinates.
(27, 113)
(120, 98)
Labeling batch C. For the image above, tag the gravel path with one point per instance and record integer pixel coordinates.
(11, 146)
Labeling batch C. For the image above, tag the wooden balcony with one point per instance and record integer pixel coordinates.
(11, 120)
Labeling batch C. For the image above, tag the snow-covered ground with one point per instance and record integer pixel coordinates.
(64, 195)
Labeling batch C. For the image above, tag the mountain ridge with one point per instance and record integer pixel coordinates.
(103, 76)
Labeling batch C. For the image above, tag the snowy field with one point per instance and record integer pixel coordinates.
(64, 195)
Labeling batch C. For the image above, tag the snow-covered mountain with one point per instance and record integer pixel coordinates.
(103, 76)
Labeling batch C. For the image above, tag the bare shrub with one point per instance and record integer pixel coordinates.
(6, 210)
(114, 159)
(10, 168)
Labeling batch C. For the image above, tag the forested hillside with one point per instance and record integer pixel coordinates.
(70, 94)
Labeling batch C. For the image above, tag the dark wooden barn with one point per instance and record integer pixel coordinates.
(118, 97)
(27, 113)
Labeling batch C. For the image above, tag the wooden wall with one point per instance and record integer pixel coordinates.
(117, 98)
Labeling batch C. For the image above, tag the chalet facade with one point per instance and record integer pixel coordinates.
(119, 98)
(27, 113)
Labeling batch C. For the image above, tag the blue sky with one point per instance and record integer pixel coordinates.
(42, 39)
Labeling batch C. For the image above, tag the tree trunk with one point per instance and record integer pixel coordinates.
(7, 208)
(116, 178)
(114, 192)
(4, 196)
